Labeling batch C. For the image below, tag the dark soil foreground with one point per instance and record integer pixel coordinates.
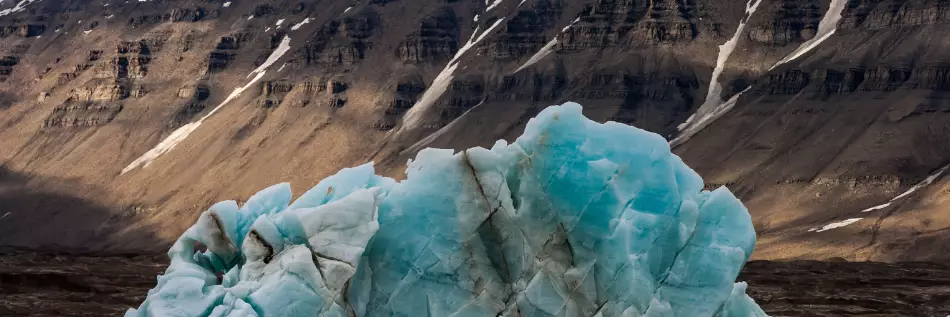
(34, 284)
(812, 288)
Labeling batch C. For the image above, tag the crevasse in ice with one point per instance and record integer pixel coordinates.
(573, 219)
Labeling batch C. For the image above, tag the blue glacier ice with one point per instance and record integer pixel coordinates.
(573, 219)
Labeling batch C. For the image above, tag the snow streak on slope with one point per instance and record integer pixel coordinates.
(298, 25)
(707, 119)
(713, 103)
(20, 6)
(704, 116)
(415, 114)
(418, 146)
(927, 181)
(827, 27)
(280, 51)
(546, 50)
(835, 225)
(182, 133)
(492, 5)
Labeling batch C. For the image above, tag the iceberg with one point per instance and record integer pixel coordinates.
(575, 218)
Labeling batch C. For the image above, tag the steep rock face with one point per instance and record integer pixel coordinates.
(437, 38)
(848, 125)
(524, 34)
(194, 102)
(6, 66)
(889, 14)
(853, 133)
(793, 21)
(398, 99)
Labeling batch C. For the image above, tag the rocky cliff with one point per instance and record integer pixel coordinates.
(133, 114)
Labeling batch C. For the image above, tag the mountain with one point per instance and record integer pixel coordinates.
(120, 121)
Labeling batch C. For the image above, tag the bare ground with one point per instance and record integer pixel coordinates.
(33, 284)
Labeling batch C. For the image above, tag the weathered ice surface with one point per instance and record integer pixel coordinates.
(575, 218)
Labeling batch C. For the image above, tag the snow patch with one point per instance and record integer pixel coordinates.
(110, 16)
(546, 50)
(298, 25)
(878, 207)
(435, 90)
(280, 51)
(927, 181)
(713, 100)
(542, 53)
(20, 6)
(182, 133)
(492, 5)
(826, 27)
(227, 4)
(250, 17)
(835, 225)
(418, 146)
(705, 119)
(279, 22)
(414, 116)
(5, 215)
(471, 43)
(281, 67)
(570, 25)
(347, 9)
(86, 31)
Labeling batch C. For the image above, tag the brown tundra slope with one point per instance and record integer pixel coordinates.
(121, 120)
